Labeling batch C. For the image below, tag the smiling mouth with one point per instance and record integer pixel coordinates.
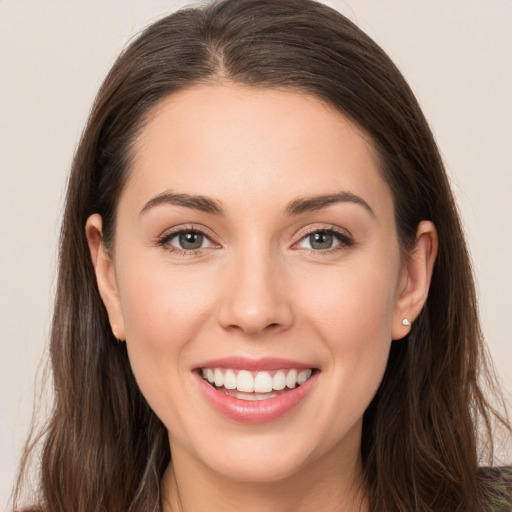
(255, 385)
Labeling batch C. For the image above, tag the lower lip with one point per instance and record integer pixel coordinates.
(257, 411)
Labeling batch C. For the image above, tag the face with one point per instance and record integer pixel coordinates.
(256, 277)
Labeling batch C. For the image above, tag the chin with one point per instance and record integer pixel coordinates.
(264, 458)
(259, 471)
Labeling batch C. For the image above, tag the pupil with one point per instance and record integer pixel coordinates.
(191, 240)
(321, 240)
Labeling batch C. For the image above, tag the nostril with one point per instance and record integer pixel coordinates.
(254, 313)
(272, 327)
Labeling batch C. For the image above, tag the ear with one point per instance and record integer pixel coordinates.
(105, 275)
(415, 279)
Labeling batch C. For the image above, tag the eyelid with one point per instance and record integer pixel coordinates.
(343, 235)
(169, 234)
(187, 227)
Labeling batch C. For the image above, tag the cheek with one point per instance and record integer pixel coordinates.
(353, 319)
(163, 309)
(164, 305)
(353, 316)
(352, 307)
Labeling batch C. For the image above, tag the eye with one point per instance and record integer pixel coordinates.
(189, 240)
(186, 240)
(324, 240)
(319, 241)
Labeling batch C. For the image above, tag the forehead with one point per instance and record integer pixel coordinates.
(240, 144)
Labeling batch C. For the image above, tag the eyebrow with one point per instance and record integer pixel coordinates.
(312, 203)
(201, 203)
(296, 207)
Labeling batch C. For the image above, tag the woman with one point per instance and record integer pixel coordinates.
(264, 298)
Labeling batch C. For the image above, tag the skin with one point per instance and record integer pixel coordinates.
(259, 288)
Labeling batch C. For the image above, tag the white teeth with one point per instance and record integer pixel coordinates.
(255, 382)
(230, 379)
(263, 382)
(279, 381)
(219, 378)
(291, 379)
(244, 381)
(303, 376)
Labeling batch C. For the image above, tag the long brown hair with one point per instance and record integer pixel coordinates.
(104, 449)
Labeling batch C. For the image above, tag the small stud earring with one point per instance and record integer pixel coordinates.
(406, 322)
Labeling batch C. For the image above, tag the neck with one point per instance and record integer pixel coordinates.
(330, 483)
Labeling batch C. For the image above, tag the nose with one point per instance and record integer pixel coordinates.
(256, 297)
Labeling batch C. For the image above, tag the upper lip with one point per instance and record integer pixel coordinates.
(260, 364)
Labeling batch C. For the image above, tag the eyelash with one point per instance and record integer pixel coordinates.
(345, 240)
(164, 241)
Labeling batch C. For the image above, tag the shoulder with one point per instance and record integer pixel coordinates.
(499, 482)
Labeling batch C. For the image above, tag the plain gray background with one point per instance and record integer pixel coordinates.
(457, 56)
